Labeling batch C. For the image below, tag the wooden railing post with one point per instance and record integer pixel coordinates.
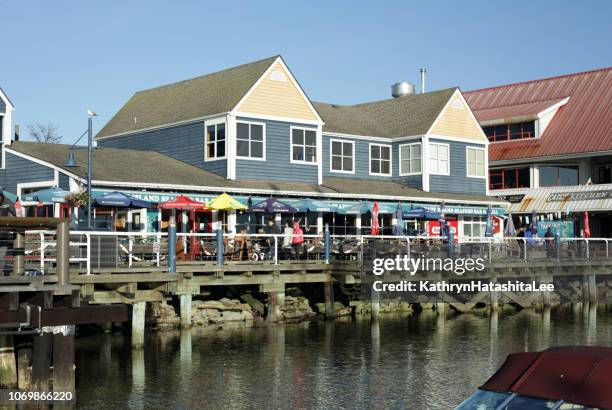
(63, 252)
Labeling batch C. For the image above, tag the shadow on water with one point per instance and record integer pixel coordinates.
(425, 361)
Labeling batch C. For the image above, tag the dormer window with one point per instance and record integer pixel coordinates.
(510, 132)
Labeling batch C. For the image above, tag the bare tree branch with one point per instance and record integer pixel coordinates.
(48, 132)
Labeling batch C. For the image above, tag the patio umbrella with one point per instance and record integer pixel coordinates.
(272, 206)
(9, 195)
(375, 229)
(119, 199)
(224, 202)
(313, 205)
(421, 213)
(510, 229)
(534, 221)
(489, 226)
(398, 228)
(47, 195)
(587, 228)
(183, 203)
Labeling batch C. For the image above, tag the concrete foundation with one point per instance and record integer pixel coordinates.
(185, 309)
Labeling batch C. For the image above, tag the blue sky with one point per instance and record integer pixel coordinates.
(60, 58)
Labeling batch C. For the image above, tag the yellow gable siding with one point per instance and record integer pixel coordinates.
(277, 98)
(456, 121)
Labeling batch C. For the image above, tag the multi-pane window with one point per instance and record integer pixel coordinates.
(215, 141)
(249, 140)
(509, 132)
(438, 159)
(475, 162)
(508, 178)
(474, 226)
(342, 156)
(410, 159)
(380, 159)
(303, 145)
(561, 175)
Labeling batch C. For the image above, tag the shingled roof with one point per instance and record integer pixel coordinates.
(198, 97)
(148, 167)
(412, 114)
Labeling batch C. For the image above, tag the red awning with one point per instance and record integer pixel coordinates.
(183, 203)
(580, 375)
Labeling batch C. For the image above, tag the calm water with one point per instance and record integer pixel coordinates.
(421, 362)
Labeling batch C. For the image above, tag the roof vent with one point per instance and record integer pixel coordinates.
(402, 89)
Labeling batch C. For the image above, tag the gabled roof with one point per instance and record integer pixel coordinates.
(210, 94)
(580, 126)
(409, 115)
(6, 98)
(146, 168)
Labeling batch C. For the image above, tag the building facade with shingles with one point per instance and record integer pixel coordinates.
(252, 131)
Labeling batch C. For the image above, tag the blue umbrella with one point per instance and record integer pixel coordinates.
(313, 205)
(398, 228)
(120, 199)
(272, 206)
(420, 213)
(9, 195)
(489, 227)
(47, 195)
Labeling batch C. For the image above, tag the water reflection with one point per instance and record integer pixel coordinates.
(423, 361)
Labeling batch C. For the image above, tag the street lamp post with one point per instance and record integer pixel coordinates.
(71, 161)
(89, 165)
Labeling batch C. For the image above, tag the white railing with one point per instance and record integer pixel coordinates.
(94, 250)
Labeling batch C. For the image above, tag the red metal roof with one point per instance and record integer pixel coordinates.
(516, 110)
(579, 375)
(582, 125)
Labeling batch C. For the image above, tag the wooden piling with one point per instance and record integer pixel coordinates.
(585, 289)
(24, 370)
(63, 362)
(375, 301)
(494, 299)
(546, 300)
(185, 310)
(41, 362)
(138, 324)
(275, 301)
(328, 293)
(8, 364)
(592, 288)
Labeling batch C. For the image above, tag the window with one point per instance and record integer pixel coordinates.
(509, 178)
(303, 145)
(475, 162)
(215, 141)
(250, 140)
(380, 159)
(558, 176)
(410, 158)
(342, 156)
(474, 226)
(604, 174)
(438, 159)
(509, 132)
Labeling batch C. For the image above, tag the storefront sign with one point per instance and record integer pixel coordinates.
(578, 196)
(565, 228)
(513, 199)
(434, 228)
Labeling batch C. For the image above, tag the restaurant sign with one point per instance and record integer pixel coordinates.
(579, 196)
(513, 199)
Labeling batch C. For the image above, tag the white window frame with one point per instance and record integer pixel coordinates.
(370, 145)
(331, 143)
(429, 159)
(484, 162)
(206, 125)
(481, 221)
(303, 162)
(249, 158)
(410, 159)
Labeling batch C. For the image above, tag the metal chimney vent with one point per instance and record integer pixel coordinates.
(401, 89)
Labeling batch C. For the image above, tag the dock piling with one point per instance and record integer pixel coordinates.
(41, 361)
(328, 292)
(138, 324)
(185, 301)
(63, 361)
(8, 365)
